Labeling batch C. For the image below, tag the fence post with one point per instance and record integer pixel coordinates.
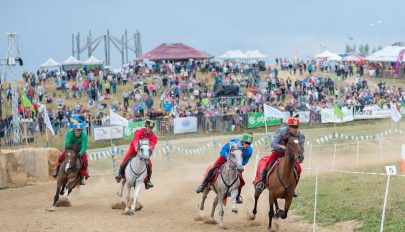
(167, 153)
(113, 160)
(334, 156)
(385, 203)
(357, 154)
(310, 155)
(316, 196)
(256, 162)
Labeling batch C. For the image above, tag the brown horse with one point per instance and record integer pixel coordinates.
(281, 182)
(68, 175)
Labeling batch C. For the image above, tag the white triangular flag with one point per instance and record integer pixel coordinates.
(116, 119)
(272, 112)
(395, 114)
(48, 121)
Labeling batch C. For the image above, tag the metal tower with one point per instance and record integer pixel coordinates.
(9, 74)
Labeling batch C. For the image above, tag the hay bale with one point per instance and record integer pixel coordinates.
(36, 163)
(53, 155)
(3, 172)
(16, 175)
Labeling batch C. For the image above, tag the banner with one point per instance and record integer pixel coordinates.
(328, 115)
(105, 133)
(305, 116)
(185, 125)
(133, 126)
(257, 120)
(370, 112)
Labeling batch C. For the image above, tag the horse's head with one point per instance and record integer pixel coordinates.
(294, 150)
(70, 160)
(235, 157)
(144, 150)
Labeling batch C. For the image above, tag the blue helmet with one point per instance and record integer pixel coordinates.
(77, 123)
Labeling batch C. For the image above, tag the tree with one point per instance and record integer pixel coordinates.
(366, 49)
(348, 48)
(362, 49)
(353, 49)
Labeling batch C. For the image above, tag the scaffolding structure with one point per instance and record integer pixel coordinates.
(121, 44)
(9, 74)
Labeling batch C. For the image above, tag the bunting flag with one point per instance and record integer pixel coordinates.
(25, 102)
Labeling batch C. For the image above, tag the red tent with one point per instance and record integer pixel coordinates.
(176, 51)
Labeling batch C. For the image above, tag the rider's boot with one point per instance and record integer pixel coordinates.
(120, 174)
(239, 199)
(55, 172)
(82, 181)
(204, 184)
(148, 184)
(260, 186)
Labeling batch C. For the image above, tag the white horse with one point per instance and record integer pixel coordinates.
(227, 183)
(135, 174)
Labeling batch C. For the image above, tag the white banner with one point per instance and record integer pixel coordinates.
(185, 125)
(105, 133)
(328, 115)
(370, 112)
(304, 116)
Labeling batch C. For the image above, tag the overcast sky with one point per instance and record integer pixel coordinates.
(276, 28)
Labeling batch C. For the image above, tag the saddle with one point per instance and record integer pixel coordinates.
(273, 166)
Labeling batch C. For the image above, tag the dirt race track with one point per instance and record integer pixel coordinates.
(170, 206)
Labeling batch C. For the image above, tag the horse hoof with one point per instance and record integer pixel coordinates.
(201, 207)
(252, 217)
(51, 209)
(235, 211)
(119, 195)
(223, 228)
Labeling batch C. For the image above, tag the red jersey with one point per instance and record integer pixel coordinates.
(140, 134)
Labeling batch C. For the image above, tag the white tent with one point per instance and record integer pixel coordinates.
(334, 57)
(233, 54)
(387, 54)
(255, 55)
(93, 61)
(72, 61)
(50, 63)
(326, 55)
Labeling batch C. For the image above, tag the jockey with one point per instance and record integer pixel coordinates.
(279, 144)
(76, 136)
(143, 133)
(247, 152)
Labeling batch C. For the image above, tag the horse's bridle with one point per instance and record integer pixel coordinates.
(234, 165)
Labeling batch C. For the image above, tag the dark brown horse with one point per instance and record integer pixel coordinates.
(281, 182)
(68, 175)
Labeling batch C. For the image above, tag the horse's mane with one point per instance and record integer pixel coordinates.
(74, 147)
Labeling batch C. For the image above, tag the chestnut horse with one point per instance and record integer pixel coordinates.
(68, 175)
(281, 182)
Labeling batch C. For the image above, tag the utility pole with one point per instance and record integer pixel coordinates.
(108, 48)
(78, 46)
(90, 45)
(105, 49)
(73, 44)
(122, 49)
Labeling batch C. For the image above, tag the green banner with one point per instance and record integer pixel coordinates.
(133, 126)
(257, 120)
(402, 110)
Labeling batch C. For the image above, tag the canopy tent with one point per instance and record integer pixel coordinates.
(233, 54)
(255, 55)
(387, 54)
(72, 61)
(50, 63)
(176, 51)
(334, 57)
(93, 61)
(353, 58)
(327, 54)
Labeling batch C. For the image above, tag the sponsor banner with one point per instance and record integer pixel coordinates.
(305, 116)
(370, 112)
(133, 126)
(185, 125)
(328, 115)
(257, 120)
(106, 133)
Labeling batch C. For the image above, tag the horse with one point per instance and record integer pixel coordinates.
(68, 175)
(135, 174)
(226, 185)
(282, 181)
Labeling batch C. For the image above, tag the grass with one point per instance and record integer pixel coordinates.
(344, 197)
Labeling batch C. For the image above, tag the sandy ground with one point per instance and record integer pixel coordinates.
(170, 206)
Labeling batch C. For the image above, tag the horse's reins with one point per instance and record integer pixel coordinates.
(226, 184)
(136, 174)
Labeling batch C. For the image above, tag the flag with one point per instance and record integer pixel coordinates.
(48, 121)
(116, 119)
(338, 111)
(25, 102)
(395, 114)
(272, 112)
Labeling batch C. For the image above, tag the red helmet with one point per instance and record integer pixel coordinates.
(293, 121)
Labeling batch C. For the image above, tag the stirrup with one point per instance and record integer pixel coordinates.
(82, 181)
(118, 178)
(54, 174)
(148, 185)
(200, 189)
(239, 200)
(259, 186)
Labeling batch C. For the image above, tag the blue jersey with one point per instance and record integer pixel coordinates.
(246, 153)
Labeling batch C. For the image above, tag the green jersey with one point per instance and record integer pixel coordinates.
(72, 139)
